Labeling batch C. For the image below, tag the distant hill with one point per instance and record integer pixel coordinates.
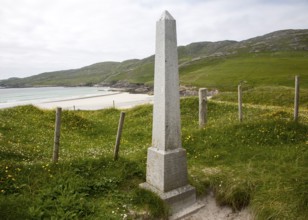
(272, 59)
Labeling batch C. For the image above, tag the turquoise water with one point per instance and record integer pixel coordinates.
(21, 96)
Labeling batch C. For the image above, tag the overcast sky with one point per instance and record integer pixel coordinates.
(46, 35)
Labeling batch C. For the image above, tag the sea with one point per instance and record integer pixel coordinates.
(10, 97)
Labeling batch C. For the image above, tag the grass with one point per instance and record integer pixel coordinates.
(260, 163)
(266, 95)
(86, 183)
(263, 69)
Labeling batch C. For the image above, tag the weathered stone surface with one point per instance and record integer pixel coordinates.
(166, 113)
(166, 161)
(166, 170)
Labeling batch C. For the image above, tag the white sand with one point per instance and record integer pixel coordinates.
(118, 100)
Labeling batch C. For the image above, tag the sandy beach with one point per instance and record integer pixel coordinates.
(121, 100)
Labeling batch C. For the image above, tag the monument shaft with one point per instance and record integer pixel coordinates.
(166, 113)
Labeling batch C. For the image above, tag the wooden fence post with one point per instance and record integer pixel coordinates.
(202, 107)
(240, 113)
(55, 155)
(118, 139)
(296, 98)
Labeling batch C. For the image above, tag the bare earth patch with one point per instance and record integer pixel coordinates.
(211, 211)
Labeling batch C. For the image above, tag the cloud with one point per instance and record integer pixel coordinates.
(42, 35)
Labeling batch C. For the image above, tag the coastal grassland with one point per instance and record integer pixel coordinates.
(86, 183)
(260, 163)
(222, 71)
(256, 69)
(141, 73)
(226, 72)
(267, 95)
(266, 79)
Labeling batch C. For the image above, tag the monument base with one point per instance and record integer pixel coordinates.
(177, 199)
(166, 170)
(167, 177)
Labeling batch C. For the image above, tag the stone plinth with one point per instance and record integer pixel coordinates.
(166, 170)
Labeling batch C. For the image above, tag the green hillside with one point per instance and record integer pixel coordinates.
(268, 60)
(261, 69)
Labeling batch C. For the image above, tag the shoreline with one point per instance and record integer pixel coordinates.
(121, 100)
(89, 100)
(121, 95)
(85, 97)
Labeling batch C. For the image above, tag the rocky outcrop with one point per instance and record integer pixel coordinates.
(128, 87)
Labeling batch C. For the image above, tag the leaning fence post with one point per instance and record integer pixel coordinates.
(202, 107)
(240, 113)
(55, 155)
(296, 98)
(118, 139)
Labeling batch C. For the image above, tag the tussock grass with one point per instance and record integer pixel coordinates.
(260, 162)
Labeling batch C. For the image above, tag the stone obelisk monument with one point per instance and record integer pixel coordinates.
(166, 159)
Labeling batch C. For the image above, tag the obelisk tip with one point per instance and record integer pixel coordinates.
(166, 16)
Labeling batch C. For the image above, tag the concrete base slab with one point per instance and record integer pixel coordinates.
(178, 199)
(187, 211)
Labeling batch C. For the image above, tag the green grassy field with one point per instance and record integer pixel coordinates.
(225, 73)
(260, 163)
(264, 69)
(267, 79)
(267, 95)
